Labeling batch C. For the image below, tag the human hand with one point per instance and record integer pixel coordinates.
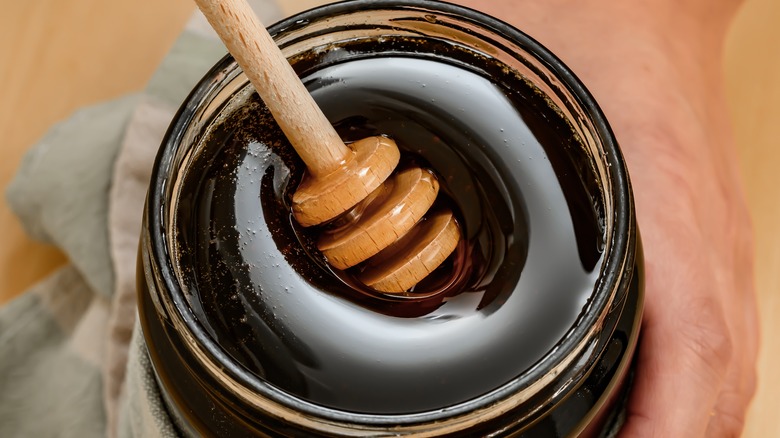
(656, 71)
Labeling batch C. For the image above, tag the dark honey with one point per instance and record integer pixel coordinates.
(509, 166)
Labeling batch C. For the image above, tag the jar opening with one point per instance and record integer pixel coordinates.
(399, 29)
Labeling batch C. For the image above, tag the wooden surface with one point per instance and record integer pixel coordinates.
(753, 75)
(59, 55)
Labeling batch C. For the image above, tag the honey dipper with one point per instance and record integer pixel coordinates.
(388, 229)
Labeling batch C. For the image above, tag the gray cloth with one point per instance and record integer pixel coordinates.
(72, 360)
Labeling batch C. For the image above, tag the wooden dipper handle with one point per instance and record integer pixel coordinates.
(340, 177)
(293, 108)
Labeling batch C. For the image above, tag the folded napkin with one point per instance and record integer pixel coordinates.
(72, 360)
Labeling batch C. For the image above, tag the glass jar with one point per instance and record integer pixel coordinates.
(575, 386)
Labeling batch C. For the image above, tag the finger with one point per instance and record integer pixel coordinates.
(729, 414)
(683, 360)
(731, 408)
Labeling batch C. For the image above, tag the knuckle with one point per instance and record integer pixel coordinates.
(726, 423)
(707, 336)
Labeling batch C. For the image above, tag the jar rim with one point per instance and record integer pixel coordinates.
(621, 241)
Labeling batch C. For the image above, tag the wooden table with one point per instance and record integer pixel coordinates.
(59, 55)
